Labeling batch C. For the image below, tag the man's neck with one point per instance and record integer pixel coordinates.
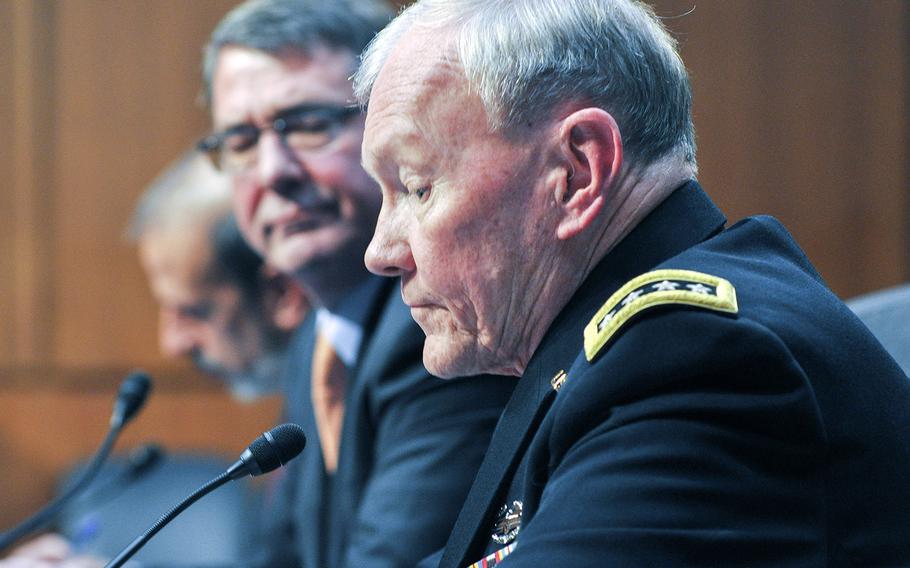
(634, 195)
(638, 192)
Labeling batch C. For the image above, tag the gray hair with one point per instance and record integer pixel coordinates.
(279, 26)
(192, 193)
(524, 57)
(188, 188)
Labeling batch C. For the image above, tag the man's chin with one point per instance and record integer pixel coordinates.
(244, 391)
(446, 359)
(242, 387)
(290, 258)
(306, 254)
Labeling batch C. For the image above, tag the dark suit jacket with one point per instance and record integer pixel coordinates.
(775, 436)
(411, 444)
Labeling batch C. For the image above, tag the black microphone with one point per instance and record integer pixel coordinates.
(133, 392)
(142, 460)
(270, 451)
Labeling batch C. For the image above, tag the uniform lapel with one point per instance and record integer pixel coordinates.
(528, 405)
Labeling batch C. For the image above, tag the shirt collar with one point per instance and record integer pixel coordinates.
(345, 323)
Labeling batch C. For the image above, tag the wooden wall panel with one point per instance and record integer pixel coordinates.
(127, 84)
(801, 112)
(26, 247)
(7, 228)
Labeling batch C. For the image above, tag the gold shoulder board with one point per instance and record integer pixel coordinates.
(657, 288)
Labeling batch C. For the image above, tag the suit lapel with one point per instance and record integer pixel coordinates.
(355, 452)
(308, 471)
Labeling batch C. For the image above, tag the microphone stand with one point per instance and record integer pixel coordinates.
(130, 399)
(140, 462)
(268, 452)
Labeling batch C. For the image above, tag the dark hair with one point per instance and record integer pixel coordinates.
(276, 26)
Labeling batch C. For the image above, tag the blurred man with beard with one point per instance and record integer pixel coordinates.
(219, 305)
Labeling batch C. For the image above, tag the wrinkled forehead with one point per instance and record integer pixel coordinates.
(420, 93)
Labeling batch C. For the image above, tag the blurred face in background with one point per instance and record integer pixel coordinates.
(212, 323)
(301, 198)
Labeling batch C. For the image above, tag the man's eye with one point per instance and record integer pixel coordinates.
(422, 192)
(200, 312)
(309, 122)
(240, 141)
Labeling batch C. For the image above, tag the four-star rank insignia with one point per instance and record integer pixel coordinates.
(657, 288)
(507, 524)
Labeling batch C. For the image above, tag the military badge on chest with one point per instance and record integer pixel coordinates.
(507, 524)
(558, 380)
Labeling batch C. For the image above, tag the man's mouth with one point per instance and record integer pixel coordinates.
(303, 221)
(418, 304)
(301, 226)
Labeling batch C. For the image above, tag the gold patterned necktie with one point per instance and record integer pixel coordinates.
(328, 385)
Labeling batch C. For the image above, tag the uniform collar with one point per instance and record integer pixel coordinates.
(685, 218)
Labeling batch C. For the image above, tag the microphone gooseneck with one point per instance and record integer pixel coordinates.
(139, 463)
(270, 451)
(133, 392)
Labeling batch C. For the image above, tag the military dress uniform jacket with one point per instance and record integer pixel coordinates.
(410, 447)
(751, 420)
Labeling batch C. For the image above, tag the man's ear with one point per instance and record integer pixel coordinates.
(285, 301)
(591, 147)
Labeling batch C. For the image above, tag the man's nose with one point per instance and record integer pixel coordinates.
(279, 168)
(176, 339)
(389, 252)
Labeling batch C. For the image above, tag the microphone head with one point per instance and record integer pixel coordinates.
(274, 449)
(133, 392)
(143, 459)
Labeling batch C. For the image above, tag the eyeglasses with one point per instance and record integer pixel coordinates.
(301, 128)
